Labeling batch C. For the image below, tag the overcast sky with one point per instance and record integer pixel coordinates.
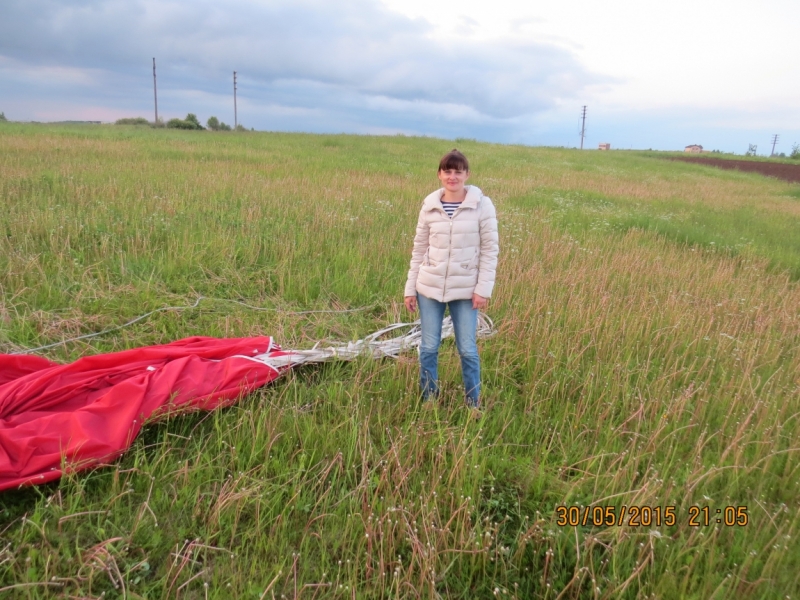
(659, 75)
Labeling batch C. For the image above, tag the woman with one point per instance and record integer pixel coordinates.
(452, 264)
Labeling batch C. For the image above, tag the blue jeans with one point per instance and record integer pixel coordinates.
(465, 325)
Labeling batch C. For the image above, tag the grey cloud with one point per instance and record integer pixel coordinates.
(355, 46)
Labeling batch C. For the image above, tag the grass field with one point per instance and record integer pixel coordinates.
(647, 355)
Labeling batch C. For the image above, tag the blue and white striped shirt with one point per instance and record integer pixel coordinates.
(450, 207)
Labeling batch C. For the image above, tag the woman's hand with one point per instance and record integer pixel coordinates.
(478, 302)
(411, 303)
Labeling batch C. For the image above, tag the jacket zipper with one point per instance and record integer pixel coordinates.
(449, 248)
(449, 251)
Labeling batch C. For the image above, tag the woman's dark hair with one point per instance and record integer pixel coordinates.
(454, 160)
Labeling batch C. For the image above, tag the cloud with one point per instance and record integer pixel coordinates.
(356, 52)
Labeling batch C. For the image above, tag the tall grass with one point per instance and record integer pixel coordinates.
(631, 368)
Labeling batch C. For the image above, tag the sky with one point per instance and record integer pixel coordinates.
(652, 74)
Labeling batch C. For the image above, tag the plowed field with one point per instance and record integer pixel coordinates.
(780, 170)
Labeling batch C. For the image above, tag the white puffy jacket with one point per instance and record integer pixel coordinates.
(454, 258)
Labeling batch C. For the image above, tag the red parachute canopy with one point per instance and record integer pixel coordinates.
(61, 418)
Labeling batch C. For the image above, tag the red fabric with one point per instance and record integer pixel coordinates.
(72, 416)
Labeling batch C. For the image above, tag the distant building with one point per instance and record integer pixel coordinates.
(604, 147)
(696, 148)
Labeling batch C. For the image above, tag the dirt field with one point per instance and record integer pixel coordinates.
(780, 170)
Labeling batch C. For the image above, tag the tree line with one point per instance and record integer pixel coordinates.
(189, 122)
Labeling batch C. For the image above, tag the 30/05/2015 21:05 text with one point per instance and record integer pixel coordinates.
(649, 516)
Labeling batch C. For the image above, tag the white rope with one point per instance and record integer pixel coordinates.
(370, 346)
(195, 305)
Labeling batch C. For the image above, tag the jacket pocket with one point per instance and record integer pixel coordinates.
(427, 261)
(473, 263)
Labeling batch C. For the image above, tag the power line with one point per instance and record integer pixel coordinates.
(774, 141)
(155, 93)
(583, 125)
(235, 115)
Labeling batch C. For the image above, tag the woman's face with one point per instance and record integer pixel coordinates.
(453, 180)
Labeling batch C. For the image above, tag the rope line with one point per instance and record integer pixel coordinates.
(187, 307)
(370, 346)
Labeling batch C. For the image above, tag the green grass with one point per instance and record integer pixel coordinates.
(647, 355)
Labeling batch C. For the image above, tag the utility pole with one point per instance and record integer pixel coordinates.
(235, 115)
(155, 93)
(583, 125)
(774, 141)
